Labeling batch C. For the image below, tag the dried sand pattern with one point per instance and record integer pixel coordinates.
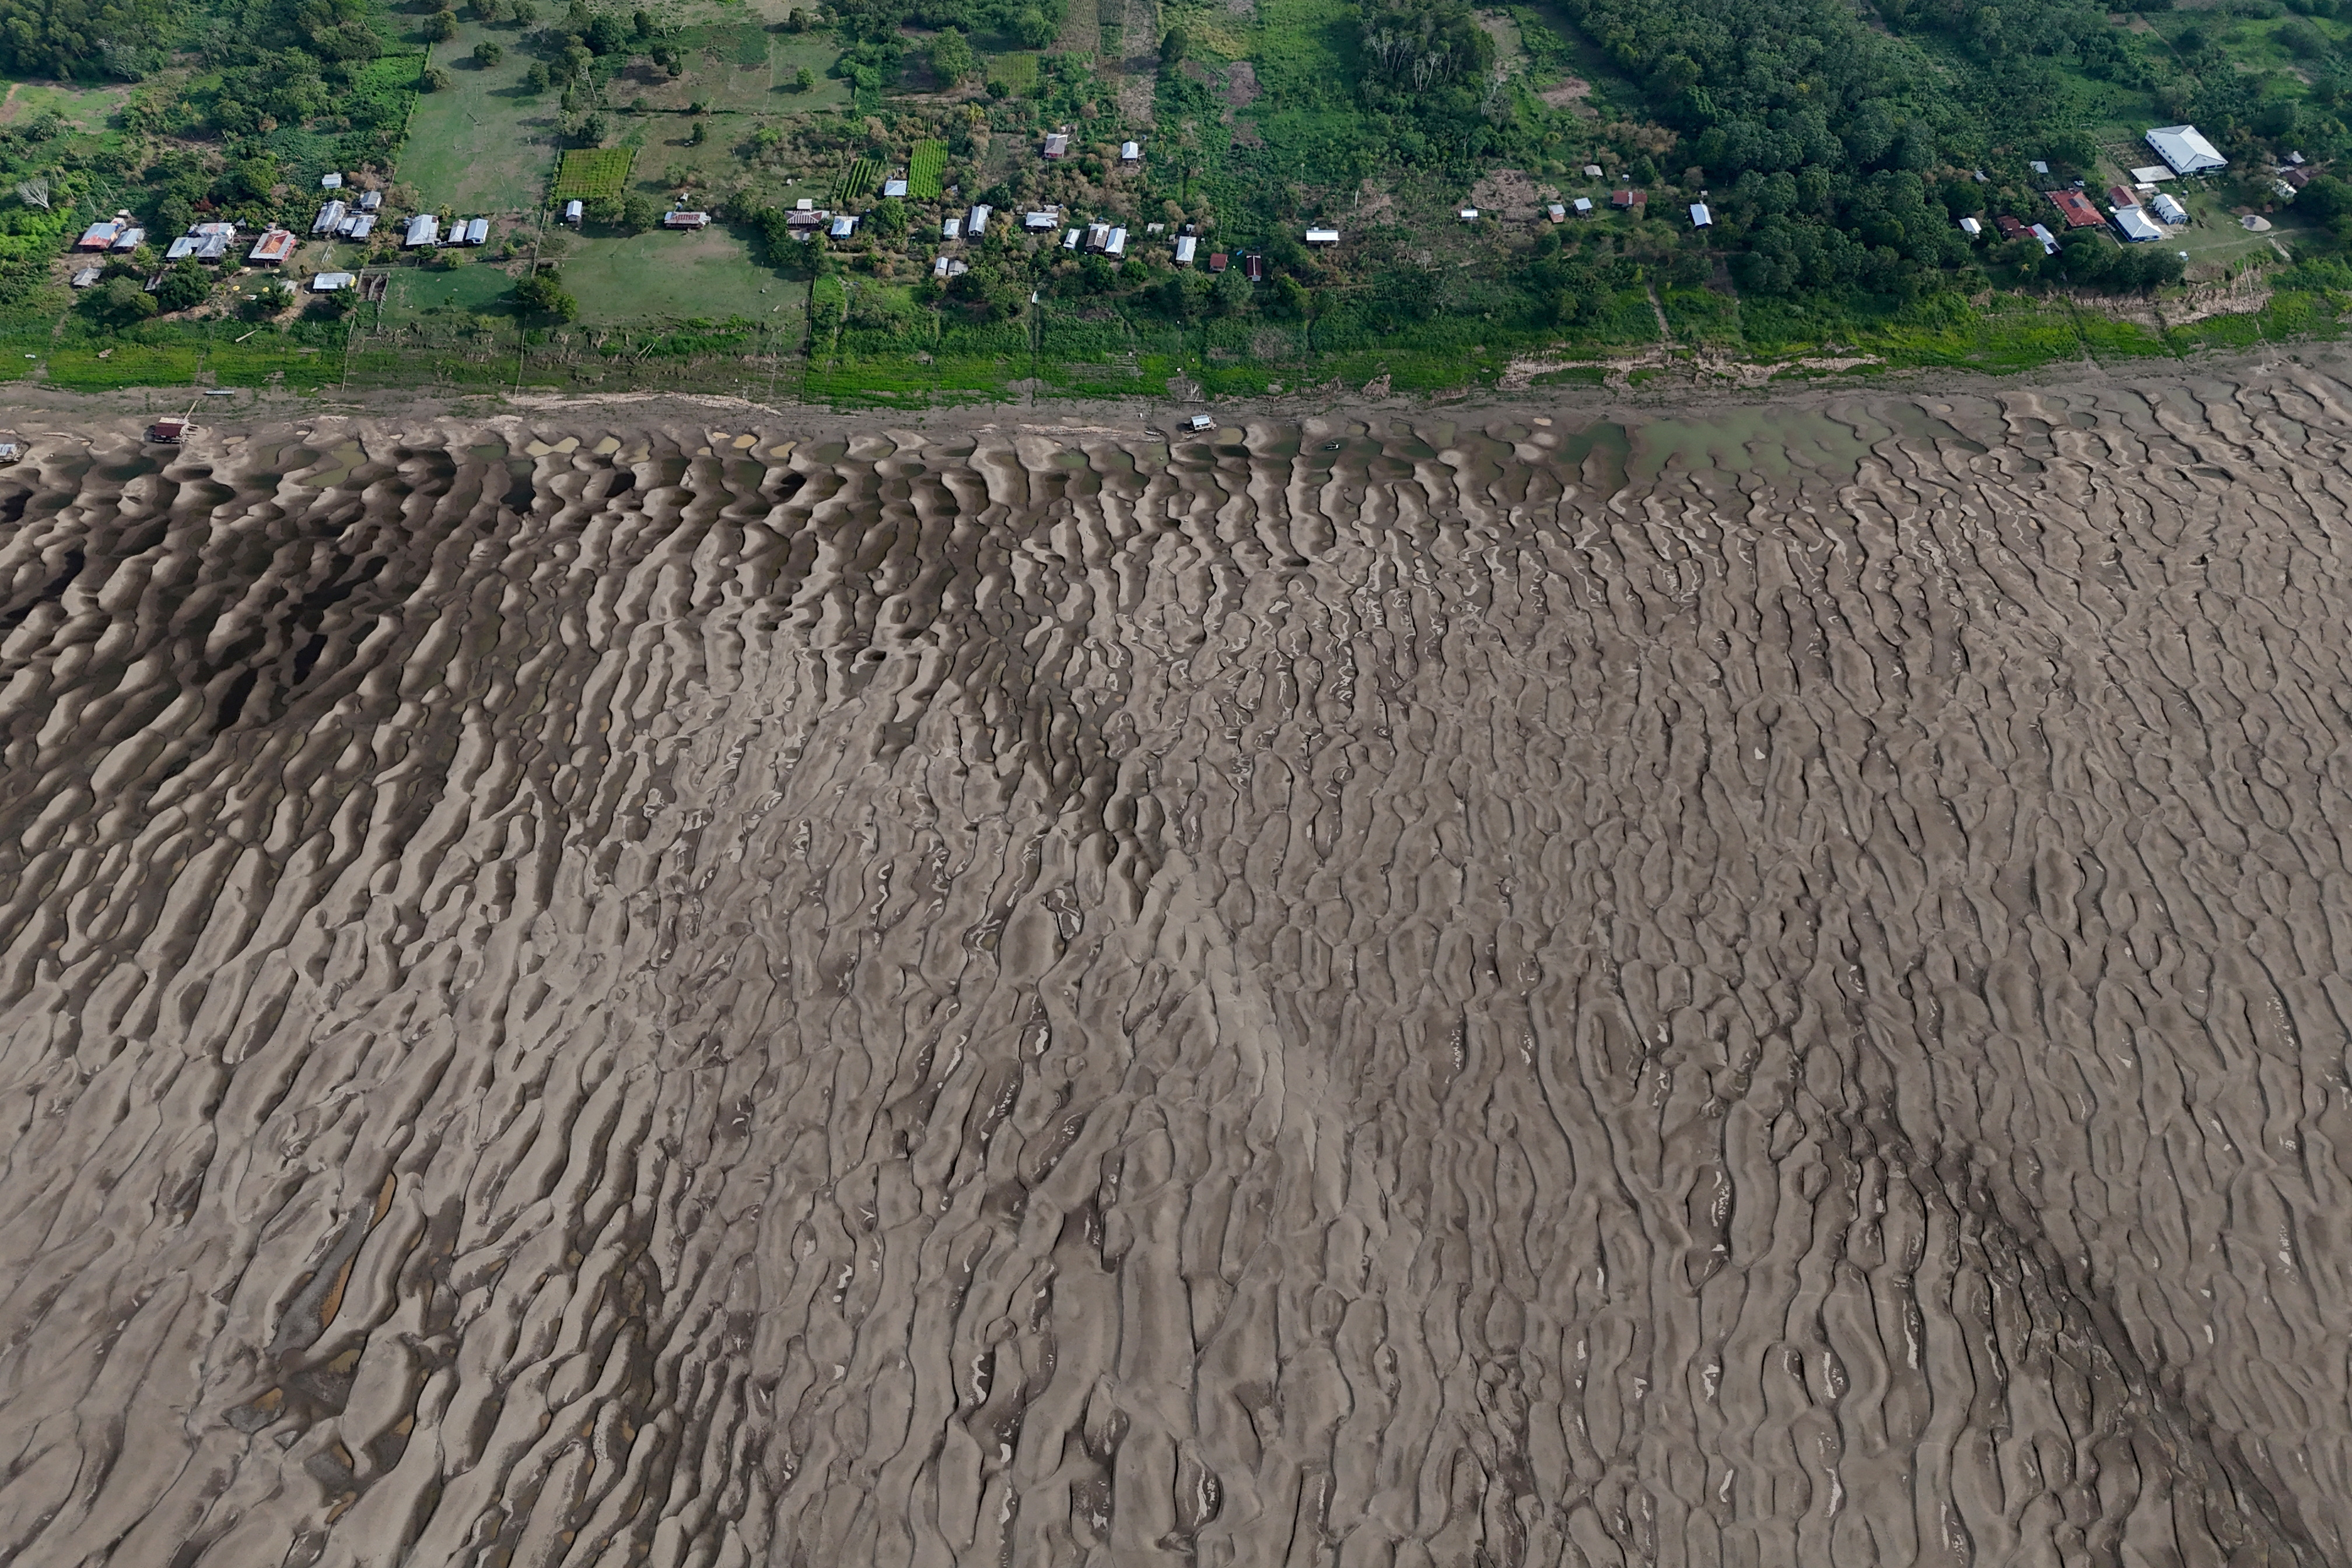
(1761, 991)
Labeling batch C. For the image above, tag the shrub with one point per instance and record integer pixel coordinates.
(433, 80)
(184, 287)
(488, 54)
(120, 302)
(1173, 45)
(951, 57)
(536, 80)
(441, 27)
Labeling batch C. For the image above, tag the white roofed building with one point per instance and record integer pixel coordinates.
(2185, 150)
(2134, 223)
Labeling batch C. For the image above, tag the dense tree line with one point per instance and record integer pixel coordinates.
(78, 38)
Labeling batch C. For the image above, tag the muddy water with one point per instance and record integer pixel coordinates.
(1753, 991)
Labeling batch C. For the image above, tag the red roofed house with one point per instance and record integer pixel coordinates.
(2123, 195)
(1625, 200)
(1217, 261)
(2010, 227)
(2077, 209)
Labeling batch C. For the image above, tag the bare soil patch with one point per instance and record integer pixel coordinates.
(1513, 192)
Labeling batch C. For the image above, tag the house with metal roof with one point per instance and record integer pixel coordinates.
(1057, 146)
(1700, 216)
(1185, 247)
(423, 229)
(330, 283)
(2185, 150)
(691, 220)
(2076, 208)
(843, 228)
(2135, 224)
(329, 216)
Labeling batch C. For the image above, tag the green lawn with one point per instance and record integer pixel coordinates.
(480, 145)
(662, 276)
(84, 107)
(482, 288)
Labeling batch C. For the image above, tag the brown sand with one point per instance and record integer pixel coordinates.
(1755, 990)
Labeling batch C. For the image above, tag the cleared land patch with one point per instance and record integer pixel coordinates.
(669, 277)
(482, 143)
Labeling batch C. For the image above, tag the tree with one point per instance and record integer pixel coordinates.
(643, 24)
(889, 219)
(272, 297)
(489, 11)
(1033, 28)
(35, 194)
(639, 212)
(2326, 199)
(607, 34)
(1173, 45)
(1234, 292)
(542, 294)
(441, 27)
(804, 79)
(524, 14)
(184, 287)
(536, 80)
(591, 131)
(952, 57)
(699, 134)
(120, 302)
(434, 79)
(488, 54)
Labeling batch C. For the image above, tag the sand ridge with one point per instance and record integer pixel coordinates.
(1752, 988)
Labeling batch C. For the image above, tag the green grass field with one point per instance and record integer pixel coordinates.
(661, 277)
(481, 145)
(83, 108)
(479, 287)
